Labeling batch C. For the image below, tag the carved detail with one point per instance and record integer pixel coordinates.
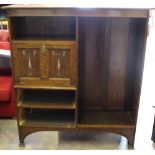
(26, 62)
(59, 67)
(34, 52)
(64, 53)
(59, 63)
(30, 67)
(24, 53)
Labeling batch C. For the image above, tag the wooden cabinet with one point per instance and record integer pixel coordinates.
(77, 69)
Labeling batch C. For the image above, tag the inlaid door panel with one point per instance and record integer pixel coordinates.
(25, 60)
(44, 63)
(59, 63)
(62, 62)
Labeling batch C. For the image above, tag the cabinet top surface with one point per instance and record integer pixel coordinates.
(86, 4)
(82, 8)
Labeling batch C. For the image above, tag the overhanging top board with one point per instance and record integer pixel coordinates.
(69, 9)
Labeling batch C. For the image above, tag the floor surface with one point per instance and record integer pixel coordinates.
(52, 140)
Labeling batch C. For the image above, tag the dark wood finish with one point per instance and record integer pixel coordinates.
(76, 95)
(62, 28)
(139, 29)
(105, 119)
(77, 69)
(106, 74)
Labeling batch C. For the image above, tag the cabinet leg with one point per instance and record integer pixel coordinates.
(21, 141)
(21, 144)
(131, 140)
(21, 138)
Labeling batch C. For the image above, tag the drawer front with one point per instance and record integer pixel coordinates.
(44, 63)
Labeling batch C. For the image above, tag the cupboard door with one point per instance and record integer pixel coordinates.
(26, 57)
(44, 63)
(62, 62)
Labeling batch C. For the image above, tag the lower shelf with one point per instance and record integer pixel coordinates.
(66, 119)
(47, 118)
(105, 119)
(115, 122)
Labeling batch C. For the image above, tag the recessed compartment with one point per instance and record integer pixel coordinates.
(44, 28)
(46, 117)
(111, 52)
(47, 99)
(103, 119)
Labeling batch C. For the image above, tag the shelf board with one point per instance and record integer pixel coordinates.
(46, 38)
(46, 123)
(96, 119)
(47, 105)
(44, 87)
(48, 118)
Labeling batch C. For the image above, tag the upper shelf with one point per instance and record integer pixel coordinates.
(43, 28)
(79, 8)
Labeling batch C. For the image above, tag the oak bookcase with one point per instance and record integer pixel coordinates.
(77, 68)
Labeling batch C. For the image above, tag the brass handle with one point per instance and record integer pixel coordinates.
(43, 50)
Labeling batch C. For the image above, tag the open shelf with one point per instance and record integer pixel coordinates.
(47, 99)
(46, 118)
(105, 119)
(43, 28)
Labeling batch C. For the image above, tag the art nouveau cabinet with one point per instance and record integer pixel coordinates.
(77, 69)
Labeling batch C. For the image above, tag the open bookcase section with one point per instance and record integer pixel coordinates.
(44, 28)
(111, 52)
(47, 99)
(46, 117)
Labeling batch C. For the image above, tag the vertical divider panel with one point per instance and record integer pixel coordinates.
(76, 48)
(44, 62)
(81, 70)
